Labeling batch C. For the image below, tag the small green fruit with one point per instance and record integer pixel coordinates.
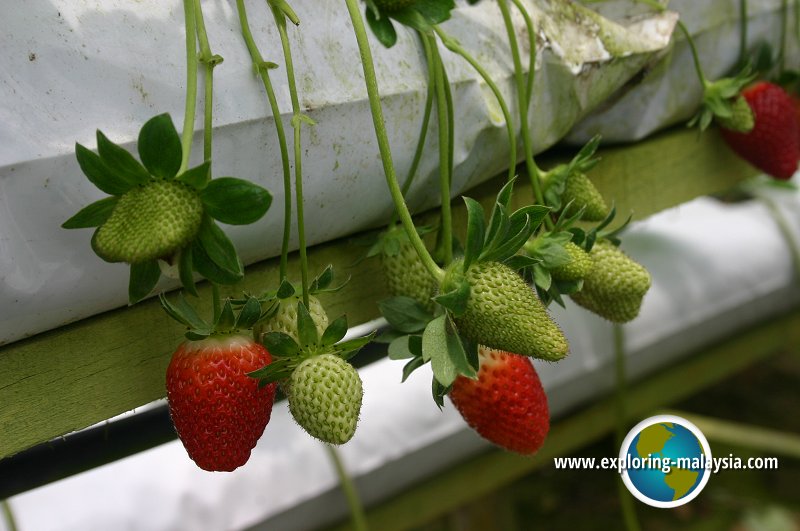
(286, 319)
(325, 395)
(151, 221)
(577, 268)
(406, 276)
(615, 286)
(580, 190)
(504, 313)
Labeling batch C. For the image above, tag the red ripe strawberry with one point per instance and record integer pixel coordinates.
(506, 404)
(219, 412)
(772, 145)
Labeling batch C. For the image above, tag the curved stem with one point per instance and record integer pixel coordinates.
(625, 499)
(209, 62)
(534, 173)
(191, 83)
(263, 70)
(445, 140)
(297, 124)
(453, 45)
(695, 57)
(349, 489)
(451, 121)
(532, 47)
(383, 140)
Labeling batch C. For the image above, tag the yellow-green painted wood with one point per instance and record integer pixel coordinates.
(69, 378)
(488, 472)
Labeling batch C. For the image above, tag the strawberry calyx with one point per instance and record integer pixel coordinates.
(157, 212)
(723, 102)
(229, 322)
(567, 189)
(421, 15)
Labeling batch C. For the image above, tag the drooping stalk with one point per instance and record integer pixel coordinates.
(349, 489)
(534, 172)
(451, 121)
(297, 123)
(454, 46)
(263, 70)
(191, 83)
(446, 229)
(695, 56)
(625, 500)
(209, 62)
(532, 56)
(383, 140)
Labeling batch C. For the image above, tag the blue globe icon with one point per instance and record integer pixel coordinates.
(666, 458)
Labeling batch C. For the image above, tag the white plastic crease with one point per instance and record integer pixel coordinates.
(70, 67)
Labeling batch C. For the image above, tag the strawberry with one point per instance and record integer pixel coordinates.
(615, 285)
(504, 313)
(506, 404)
(406, 275)
(772, 145)
(580, 190)
(285, 320)
(218, 411)
(325, 395)
(576, 268)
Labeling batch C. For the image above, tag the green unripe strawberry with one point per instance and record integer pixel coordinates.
(394, 5)
(149, 222)
(742, 120)
(615, 286)
(504, 313)
(325, 395)
(286, 319)
(580, 190)
(406, 276)
(577, 268)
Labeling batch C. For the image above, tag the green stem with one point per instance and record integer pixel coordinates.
(535, 174)
(426, 116)
(383, 140)
(695, 56)
(209, 62)
(446, 230)
(742, 32)
(8, 515)
(786, 232)
(532, 58)
(297, 124)
(784, 31)
(451, 121)
(349, 489)
(454, 46)
(625, 499)
(263, 69)
(191, 83)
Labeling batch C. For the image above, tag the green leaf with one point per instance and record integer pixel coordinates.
(227, 319)
(203, 264)
(322, 281)
(382, 28)
(249, 314)
(476, 231)
(144, 277)
(98, 173)
(219, 248)
(455, 300)
(306, 327)
(439, 391)
(335, 332)
(404, 314)
(279, 369)
(411, 366)
(197, 177)
(351, 346)
(405, 347)
(435, 345)
(183, 312)
(498, 228)
(435, 11)
(197, 335)
(235, 201)
(186, 270)
(121, 163)
(160, 147)
(92, 215)
(542, 277)
(280, 344)
(285, 290)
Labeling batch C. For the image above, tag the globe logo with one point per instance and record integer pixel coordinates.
(665, 461)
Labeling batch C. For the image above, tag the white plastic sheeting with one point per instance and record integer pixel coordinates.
(716, 269)
(70, 67)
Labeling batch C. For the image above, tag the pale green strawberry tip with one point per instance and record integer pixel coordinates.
(615, 286)
(504, 313)
(741, 119)
(149, 222)
(325, 394)
(583, 193)
(285, 320)
(577, 268)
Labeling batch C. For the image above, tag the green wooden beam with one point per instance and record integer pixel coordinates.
(486, 473)
(69, 378)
